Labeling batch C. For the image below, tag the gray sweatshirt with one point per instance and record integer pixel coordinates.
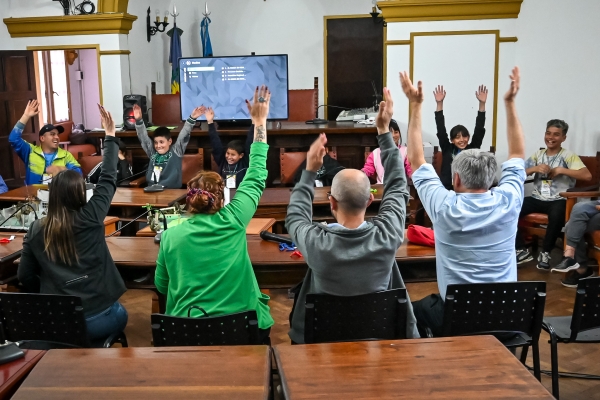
(170, 175)
(351, 262)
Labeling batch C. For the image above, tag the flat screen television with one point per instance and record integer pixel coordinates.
(224, 83)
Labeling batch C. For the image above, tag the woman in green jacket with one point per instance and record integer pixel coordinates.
(204, 261)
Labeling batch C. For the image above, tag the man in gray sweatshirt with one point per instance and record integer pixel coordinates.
(353, 256)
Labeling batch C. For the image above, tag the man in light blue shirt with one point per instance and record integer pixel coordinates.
(474, 226)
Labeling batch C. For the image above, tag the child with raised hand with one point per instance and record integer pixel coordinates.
(232, 160)
(459, 135)
(164, 167)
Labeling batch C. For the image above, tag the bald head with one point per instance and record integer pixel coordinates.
(351, 189)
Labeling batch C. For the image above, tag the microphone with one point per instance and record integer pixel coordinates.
(320, 121)
(132, 176)
(19, 209)
(158, 236)
(154, 187)
(264, 235)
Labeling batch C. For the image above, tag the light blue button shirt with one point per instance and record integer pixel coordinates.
(474, 232)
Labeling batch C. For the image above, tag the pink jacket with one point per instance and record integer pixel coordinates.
(373, 165)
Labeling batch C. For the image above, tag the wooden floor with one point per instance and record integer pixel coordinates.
(559, 301)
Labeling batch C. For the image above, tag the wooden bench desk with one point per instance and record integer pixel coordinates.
(151, 373)
(474, 367)
(13, 373)
(256, 226)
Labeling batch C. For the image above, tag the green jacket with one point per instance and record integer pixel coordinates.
(204, 261)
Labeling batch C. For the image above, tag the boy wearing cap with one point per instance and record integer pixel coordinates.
(45, 159)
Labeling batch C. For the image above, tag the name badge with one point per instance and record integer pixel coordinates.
(230, 182)
(546, 184)
(318, 183)
(157, 171)
(46, 179)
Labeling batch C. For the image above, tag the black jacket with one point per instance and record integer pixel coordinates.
(123, 172)
(449, 150)
(325, 174)
(218, 152)
(95, 278)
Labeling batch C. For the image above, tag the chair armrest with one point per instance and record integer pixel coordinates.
(584, 189)
(570, 195)
(137, 182)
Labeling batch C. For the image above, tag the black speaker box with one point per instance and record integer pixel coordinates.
(128, 102)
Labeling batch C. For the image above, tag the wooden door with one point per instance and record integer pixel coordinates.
(354, 63)
(17, 87)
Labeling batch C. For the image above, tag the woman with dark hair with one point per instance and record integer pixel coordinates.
(459, 135)
(204, 261)
(66, 253)
(374, 167)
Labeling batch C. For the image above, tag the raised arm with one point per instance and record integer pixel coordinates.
(184, 136)
(21, 147)
(97, 208)
(244, 204)
(142, 133)
(416, 157)
(440, 122)
(514, 131)
(479, 132)
(218, 152)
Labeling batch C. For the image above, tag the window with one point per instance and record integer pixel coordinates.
(55, 89)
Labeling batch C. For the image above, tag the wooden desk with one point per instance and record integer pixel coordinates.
(256, 226)
(474, 367)
(110, 225)
(151, 373)
(13, 373)
(10, 251)
(20, 194)
(273, 268)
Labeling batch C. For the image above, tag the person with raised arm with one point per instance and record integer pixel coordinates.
(165, 163)
(352, 256)
(46, 160)
(66, 253)
(204, 261)
(459, 135)
(474, 225)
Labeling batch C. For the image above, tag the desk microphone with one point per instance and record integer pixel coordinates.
(158, 236)
(264, 235)
(154, 187)
(320, 121)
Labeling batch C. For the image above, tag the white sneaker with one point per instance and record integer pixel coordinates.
(544, 261)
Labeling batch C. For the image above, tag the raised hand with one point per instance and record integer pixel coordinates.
(259, 108)
(107, 121)
(210, 115)
(137, 112)
(386, 110)
(197, 112)
(32, 109)
(414, 94)
(439, 94)
(314, 157)
(515, 84)
(481, 94)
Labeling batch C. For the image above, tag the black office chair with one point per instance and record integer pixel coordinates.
(511, 311)
(581, 327)
(232, 329)
(48, 321)
(373, 316)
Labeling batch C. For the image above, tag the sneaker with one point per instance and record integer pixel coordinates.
(567, 264)
(544, 261)
(573, 280)
(523, 256)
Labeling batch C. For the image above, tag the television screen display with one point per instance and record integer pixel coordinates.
(224, 83)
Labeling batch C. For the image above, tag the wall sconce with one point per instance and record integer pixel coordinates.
(158, 25)
(375, 14)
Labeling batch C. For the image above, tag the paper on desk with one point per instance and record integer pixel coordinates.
(153, 128)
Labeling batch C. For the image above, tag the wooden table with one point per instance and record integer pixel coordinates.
(151, 373)
(20, 194)
(13, 373)
(475, 367)
(256, 226)
(273, 268)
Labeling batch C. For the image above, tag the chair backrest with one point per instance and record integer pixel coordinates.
(480, 308)
(191, 164)
(593, 164)
(302, 104)
(166, 109)
(88, 163)
(68, 125)
(233, 329)
(289, 163)
(586, 312)
(43, 317)
(373, 316)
